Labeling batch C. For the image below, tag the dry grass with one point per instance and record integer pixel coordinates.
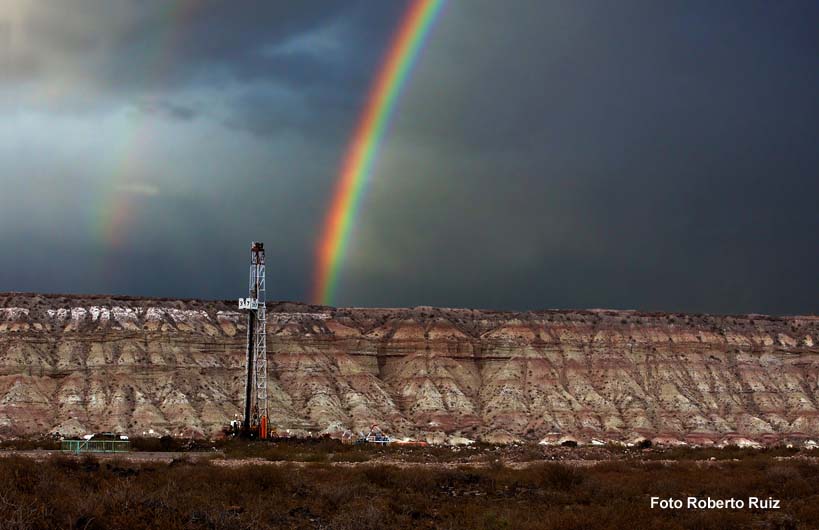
(66, 492)
(331, 450)
(28, 444)
(727, 453)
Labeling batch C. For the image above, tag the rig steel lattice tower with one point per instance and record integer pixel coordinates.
(256, 409)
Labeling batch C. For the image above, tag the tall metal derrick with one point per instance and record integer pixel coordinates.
(256, 413)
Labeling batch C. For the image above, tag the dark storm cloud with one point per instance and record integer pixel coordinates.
(649, 155)
(543, 154)
(121, 70)
(113, 39)
(175, 110)
(320, 51)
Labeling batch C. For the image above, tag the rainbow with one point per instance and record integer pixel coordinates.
(357, 167)
(119, 197)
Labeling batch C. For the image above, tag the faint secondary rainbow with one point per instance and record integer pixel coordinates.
(119, 196)
(356, 169)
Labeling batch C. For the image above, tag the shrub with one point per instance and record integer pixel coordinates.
(88, 492)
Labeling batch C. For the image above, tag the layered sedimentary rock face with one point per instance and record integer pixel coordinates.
(146, 366)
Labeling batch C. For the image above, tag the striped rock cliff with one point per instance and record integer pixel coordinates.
(77, 364)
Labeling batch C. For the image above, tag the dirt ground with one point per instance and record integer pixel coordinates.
(238, 453)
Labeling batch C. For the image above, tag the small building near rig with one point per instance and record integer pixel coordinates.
(105, 442)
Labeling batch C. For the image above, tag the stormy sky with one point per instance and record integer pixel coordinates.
(631, 154)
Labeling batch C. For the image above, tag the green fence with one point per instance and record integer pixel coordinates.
(96, 446)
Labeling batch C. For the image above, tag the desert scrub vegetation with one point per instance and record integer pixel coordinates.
(331, 450)
(29, 444)
(730, 452)
(69, 492)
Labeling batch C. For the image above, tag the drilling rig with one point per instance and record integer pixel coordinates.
(254, 421)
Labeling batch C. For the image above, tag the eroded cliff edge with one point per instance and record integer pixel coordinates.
(77, 364)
